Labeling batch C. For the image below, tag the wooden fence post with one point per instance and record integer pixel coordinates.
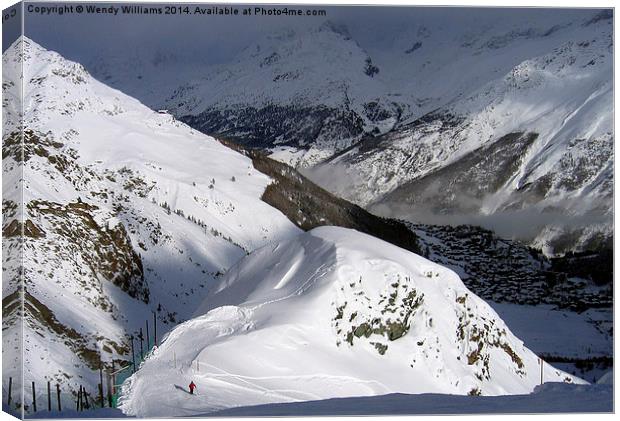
(110, 390)
(49, 397)
(58, 396)
(10, 386)
(148, 345)
(113, 375)
(141, 349)
(133, 355)
(34, 398)
(86, 399)
(77, 402)
(101, 383)
(154, 329)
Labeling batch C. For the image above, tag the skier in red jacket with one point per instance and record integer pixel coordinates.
(192, 386)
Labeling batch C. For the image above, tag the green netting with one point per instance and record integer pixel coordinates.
(123, 375)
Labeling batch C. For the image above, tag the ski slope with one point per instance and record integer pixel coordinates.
(128, 213)
(551, 398)
(332, 313)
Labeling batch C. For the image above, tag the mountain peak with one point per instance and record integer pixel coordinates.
(40, 63)
(25, 49)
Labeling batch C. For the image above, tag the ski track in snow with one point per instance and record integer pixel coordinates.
(283, 341)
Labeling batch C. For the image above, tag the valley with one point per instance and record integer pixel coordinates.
(316, 222)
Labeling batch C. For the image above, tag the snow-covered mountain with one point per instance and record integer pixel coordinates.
(146, 74)
(402, 121)
(127, 213)
(314, 92)
(533, 146)
(333, 313)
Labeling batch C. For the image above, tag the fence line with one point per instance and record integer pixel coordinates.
(115, 378)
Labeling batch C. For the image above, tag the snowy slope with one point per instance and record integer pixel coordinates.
(313, 92)
(551, 398)
(519, 100)
(332, 313)
(128, 212)
(533, 140)
(12, 340)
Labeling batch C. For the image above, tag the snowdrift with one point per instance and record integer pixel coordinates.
(333, 313)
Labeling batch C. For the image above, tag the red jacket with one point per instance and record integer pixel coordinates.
(192, 386)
